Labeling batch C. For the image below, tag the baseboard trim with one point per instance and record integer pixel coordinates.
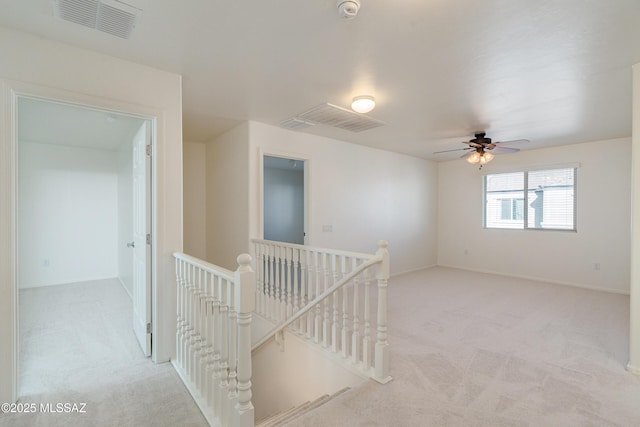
(539, 279)
(125, 289)
(633, 369)
(413, 270)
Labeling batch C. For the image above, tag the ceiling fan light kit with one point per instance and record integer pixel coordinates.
(480, 157)
(481, 145)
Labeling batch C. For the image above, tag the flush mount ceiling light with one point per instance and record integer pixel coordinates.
(363, 104)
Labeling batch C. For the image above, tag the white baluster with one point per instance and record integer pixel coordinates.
(244, 277)
(224, 350)
(289, 282)
(345, 311)
(278, 266)
(326, 322)
(232, 393)
(178, 311)
(217, 345)
(318, 320)
(198, 345)
(272, 287)
(355, 337)
(335, 266)
(308, 292)
(381, 372)
(259, 277)
(208, 319)
(295, 260)
(366, 340)
(189, 347)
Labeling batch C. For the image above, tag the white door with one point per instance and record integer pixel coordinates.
(142, 237)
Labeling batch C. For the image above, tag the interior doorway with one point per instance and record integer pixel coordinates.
(284, 199)
(78, 207)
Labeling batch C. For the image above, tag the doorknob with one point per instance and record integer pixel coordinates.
(132, 244)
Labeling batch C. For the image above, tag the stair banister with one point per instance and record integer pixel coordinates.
(311, 304)
(214, 314)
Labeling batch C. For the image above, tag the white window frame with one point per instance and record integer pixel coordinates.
(525, 219)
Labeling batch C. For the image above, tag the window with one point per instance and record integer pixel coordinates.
(512, 209)
(541, 199)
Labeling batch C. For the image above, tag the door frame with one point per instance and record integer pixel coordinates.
(13, 91)
(306, 188)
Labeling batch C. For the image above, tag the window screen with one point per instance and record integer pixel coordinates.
(541, 199)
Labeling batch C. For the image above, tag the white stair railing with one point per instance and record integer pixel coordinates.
(325, 296)
(213, 338)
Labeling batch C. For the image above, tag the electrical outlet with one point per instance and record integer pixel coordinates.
(327, 228)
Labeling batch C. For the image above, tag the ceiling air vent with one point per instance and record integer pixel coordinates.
(295, 123)
(332, 115)
(109, 16)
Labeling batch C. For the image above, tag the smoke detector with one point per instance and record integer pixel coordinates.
(348, 9)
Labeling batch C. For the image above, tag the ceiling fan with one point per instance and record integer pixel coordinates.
(482, 147)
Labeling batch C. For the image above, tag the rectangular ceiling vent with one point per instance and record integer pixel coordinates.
(109, 16)
(295, 124)
(332, 115)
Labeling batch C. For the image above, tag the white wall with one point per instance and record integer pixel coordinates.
(634, 328)
(365, 194)
(33, 65)
(227, 197)
(284, 205)
(125, 215)
(318, 374)
(603, 219)
(195, 199)
(68, 214)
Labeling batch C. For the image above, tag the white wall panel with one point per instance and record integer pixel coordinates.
(227, 197)
(68, 214)
(362, 194)
(125, 215)
(195, 199)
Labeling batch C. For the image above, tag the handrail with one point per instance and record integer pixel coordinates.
(207, 266)
(318, 299)
(313, 248)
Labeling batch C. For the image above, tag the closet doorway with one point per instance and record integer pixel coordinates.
(84, 243)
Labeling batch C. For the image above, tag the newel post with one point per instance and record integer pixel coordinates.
(245, 304)
(381, 368)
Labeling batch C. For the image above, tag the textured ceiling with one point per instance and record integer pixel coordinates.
(554, 72)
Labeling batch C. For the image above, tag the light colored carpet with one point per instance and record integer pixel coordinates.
(473, 349)
(467, 350)
(77, 346)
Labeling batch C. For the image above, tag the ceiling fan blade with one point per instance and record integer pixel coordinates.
(446, 151)
(472, 144)
(515, 142)
(465, 155)
(505, 150)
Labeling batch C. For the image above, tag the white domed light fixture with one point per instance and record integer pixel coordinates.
(363, 104)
